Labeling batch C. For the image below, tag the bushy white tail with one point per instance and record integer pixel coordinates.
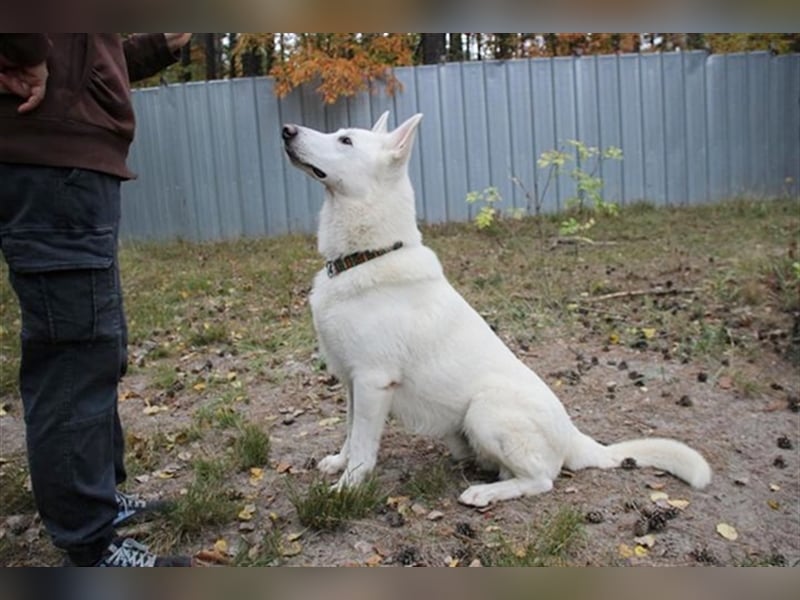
(665, 454)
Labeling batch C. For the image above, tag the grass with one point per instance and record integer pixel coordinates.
(251, 447)
(430, 482)
(268, 552)
(550, 544)
(325, 509)
(15, 498)
(206, 503)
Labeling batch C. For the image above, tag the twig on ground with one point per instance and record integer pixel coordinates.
(634, 293)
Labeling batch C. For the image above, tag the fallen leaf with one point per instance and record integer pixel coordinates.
(283, 468)
(246, 514)
(774, 504)
(476, 563)
(231, 375)
(655, 485)
(435, 515)
(292, 549)
(374, 560)
(293, 537)
(678, 503)
(648, 332)
(774, 487)
(185, 456)
(625, 551)
(199, 387)
(640, 551)
(329, 421)
(211, 556)
(155, 409)
(613, 338)
(247, 526)
(142, 478)
(656, 496)
(726, 531)
(452, 562)
(221, 546)
(256, 475)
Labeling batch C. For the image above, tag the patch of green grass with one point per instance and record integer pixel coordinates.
(165, 376)
(430, 482)
(268, 552)
(208, 334)
(550, 544)
(326, 509)
(15, 499)
(206, 503)
(251, 447)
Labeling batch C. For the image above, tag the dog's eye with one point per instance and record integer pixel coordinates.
(346, 140)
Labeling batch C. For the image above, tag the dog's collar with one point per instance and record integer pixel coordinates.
(341, 264)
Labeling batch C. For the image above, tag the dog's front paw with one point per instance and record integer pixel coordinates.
(332, 464)
(477, 495)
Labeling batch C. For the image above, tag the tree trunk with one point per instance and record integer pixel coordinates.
(186, 61)
(455, 53)
(433, 48)
(212, 62)
(232, 71)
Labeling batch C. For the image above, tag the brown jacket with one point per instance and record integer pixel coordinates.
(86, 118)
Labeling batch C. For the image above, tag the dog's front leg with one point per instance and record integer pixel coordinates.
(335, 463)
(372, 399)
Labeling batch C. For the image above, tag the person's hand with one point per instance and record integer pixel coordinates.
(176, 41)
(29, 83)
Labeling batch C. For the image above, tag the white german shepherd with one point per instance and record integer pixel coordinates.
(403, 341)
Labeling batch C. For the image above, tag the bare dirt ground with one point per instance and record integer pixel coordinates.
(704, 352)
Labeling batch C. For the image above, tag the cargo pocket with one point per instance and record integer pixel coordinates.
(66, 283)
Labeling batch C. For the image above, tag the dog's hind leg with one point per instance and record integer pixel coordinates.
(371, 400)
(526, 462)
(335, 463)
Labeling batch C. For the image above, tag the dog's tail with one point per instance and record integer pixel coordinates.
(665, 454)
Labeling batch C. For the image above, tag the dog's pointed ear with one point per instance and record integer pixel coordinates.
(380, 124)
(402, 138)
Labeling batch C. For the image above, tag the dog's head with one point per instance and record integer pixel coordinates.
(352, 162)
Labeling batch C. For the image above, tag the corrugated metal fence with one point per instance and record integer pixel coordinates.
(693, 128)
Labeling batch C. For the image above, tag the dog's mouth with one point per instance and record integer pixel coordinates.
(318, 173)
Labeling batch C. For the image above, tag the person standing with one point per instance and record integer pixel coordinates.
(66, 124)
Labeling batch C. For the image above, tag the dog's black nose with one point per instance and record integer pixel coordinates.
(289, 131)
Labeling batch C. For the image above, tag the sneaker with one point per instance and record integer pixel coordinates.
(134, 508)
(130, 553)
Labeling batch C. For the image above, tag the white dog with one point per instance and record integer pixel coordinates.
(403, 341)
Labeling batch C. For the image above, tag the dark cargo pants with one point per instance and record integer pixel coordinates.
(58, 233)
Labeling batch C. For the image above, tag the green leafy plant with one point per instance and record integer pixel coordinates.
(489, 214)
(589, 199)
(326, 509)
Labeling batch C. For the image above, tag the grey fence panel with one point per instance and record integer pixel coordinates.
(544, 128)
(476, 128)
(693, 128)
(247, 166)
(271, 159)
(609, 111)
(738, 132)
(523, 142)
(454, 140)
(565, 119)
(498, 124)
(696, 142)
(674, 95)
(757, 121)
(632, 130)
(431, 148)
(719, 144)
(792, 130)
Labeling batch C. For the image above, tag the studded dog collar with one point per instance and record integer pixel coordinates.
(341, 264)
